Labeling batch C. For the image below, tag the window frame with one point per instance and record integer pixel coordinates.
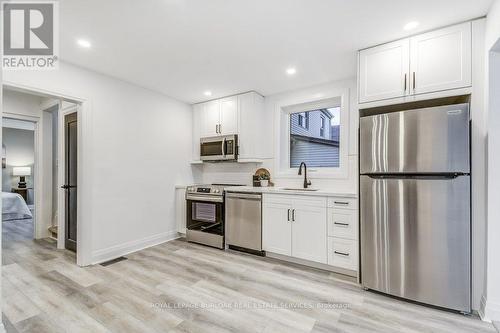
(322, 126)
(304, 116)
(283, 111)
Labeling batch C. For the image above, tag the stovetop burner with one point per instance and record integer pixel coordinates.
(210, 189)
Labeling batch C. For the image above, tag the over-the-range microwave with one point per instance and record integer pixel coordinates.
(219, 148)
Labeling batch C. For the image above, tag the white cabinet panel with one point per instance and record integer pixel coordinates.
(343, 253)
(180, 209)
(255, 129)
(441, 60)
(383, 71)
(228, 116)
(343, 203)
(197, 124)
(342, 223)
(276, 228)
(211, 118)
(309, 230)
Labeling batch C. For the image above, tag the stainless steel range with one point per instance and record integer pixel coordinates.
(205, 214)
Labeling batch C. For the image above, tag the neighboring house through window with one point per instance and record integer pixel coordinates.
(314, 138)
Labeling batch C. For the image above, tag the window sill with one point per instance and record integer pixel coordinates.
(314, 174)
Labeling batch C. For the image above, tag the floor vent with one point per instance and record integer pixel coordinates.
(113, 261)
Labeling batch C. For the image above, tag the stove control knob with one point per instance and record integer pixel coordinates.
(216, 190)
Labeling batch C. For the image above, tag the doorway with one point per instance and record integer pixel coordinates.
(55, 135)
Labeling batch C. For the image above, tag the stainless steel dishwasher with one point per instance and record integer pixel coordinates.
(244, 222)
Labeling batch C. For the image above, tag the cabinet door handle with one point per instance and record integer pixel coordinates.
(341, 253)
(217, 129)
(293, 215)
(414, 84)
(405, 81)
(288, 215)
(342, 224)
(341, 203)
(220, 129)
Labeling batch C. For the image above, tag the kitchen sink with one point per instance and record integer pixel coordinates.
(299, 189)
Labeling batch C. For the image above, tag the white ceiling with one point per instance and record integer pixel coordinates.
(185, 47)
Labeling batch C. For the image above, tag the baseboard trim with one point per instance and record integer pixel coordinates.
(130, 247)
(490, 311)
(313, 264)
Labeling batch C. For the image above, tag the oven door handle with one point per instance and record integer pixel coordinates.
(204, 198)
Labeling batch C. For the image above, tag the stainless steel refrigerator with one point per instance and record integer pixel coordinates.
(415, 205)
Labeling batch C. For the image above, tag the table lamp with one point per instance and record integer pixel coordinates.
(22, 172)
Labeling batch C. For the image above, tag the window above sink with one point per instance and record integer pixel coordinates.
(314, 130)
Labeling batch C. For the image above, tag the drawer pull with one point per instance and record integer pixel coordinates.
(341, 253)
(342, 224)
(341, 203)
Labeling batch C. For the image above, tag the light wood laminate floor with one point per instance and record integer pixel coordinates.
(182, 287)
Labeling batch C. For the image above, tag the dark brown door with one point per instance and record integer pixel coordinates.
(71, 153)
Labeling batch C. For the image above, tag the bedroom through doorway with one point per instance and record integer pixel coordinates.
(18, 162)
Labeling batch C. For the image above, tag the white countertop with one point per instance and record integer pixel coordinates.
(281, 190)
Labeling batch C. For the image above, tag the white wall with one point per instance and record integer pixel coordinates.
(491, 299)
(238, 173)
(138, 147)
(20, 104)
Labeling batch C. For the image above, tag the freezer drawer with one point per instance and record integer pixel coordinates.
(415, 239)
(416, 141)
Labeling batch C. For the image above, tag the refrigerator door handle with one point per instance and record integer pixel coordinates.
(418, 176)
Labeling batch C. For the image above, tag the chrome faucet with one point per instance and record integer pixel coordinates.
(306, 182)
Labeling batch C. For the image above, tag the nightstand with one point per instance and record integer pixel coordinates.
(22, 191)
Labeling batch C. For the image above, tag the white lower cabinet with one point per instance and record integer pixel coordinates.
(295, 226)
(316, 229)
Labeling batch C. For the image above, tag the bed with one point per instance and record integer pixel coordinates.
(14, 207)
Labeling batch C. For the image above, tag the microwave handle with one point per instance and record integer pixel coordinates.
(224, 147)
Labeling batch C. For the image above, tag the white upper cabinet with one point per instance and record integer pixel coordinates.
(228, 116)
(383, 71)
(211, 118)
(431, 62)
(220, 117)
(441, 60)
(255, 128)
(243, 115)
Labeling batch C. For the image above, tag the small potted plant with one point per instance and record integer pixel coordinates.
(264, 180)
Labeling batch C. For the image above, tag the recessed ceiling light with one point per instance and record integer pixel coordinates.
(84, 43)
(207, 93)
(411, 25)
(291, 71)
